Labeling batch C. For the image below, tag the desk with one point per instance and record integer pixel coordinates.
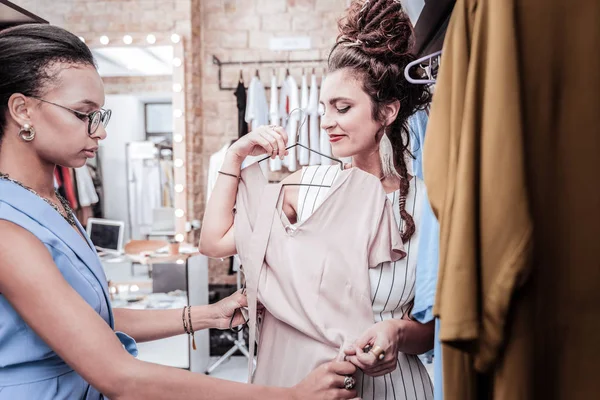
(189, 278)
(160, 255)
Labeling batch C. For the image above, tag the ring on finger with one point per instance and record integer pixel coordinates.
(378, 352)
(349, 383)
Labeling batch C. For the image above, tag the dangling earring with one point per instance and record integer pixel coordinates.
(386, 154)
(27, 133)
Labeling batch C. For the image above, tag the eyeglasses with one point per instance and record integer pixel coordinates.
(94, 118)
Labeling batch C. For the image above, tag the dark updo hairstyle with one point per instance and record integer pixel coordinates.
(26, 52)
(375, 44)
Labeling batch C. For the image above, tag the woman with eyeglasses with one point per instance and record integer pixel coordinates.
(59, 337)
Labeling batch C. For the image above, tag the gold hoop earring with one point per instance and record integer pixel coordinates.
(27, 133)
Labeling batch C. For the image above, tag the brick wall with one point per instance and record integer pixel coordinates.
(233, 30)
(138, 84)
(92, 18)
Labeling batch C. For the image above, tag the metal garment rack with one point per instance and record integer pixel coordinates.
(222, 64)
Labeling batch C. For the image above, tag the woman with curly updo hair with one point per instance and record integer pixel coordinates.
(365, 105)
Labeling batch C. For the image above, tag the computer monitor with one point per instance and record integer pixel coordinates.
(106, 235)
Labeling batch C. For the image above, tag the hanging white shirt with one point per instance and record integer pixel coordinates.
(283, 112)
(324, 143)
(304, 153)
(313, 115)
(257, 109)
(275, 119)
(214, 166)
(289, 101)
(86, 191)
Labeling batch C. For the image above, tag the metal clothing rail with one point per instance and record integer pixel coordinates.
(221, 64)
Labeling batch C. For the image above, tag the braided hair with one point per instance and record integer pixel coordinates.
(375, 43)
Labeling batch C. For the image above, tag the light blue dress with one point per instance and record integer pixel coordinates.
(29, 369)
(429, 253)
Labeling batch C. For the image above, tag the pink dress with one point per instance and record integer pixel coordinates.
(312, 278)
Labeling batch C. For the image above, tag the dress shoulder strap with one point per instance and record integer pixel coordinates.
(260, 240)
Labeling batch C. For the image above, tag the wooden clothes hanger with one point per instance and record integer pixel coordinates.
(298, 144)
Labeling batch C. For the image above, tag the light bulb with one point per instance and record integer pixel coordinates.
(179, 213)
(151, 39)
(178, 138)
(179, 188)
(127, 39)
(177, 62)
(177, 113)
(179, 163)
(179, 237)
(104, 40)
(180, 261)
(175, 38)
(82, 39)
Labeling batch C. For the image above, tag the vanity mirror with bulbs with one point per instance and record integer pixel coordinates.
(143, 168)
(142, 161)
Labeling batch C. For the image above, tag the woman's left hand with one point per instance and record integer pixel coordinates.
(386, 335)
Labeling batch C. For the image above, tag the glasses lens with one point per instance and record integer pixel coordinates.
(106, 117)
(96, 117)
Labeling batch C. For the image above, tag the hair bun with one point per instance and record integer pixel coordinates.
(380, 28)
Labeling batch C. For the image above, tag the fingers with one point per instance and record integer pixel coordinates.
(366, 358)
(270, 143)
(366, 340)
(357, 363)
(384, 368)
(373, 367)
(341, 368)
(240, 298)
(350, 351)
(283, 134)
(280, 141)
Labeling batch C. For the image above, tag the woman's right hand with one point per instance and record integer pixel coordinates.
(270, 140)
(326, 382)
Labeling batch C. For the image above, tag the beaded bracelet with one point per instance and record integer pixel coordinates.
(191, 333)
(187, 324)
(185, 328)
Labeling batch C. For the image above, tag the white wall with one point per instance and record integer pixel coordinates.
(126, 125)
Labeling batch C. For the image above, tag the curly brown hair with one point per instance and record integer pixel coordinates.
(375, 43)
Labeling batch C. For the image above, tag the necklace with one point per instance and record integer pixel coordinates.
(67, 214)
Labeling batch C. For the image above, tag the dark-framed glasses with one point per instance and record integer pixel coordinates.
(95, 118)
